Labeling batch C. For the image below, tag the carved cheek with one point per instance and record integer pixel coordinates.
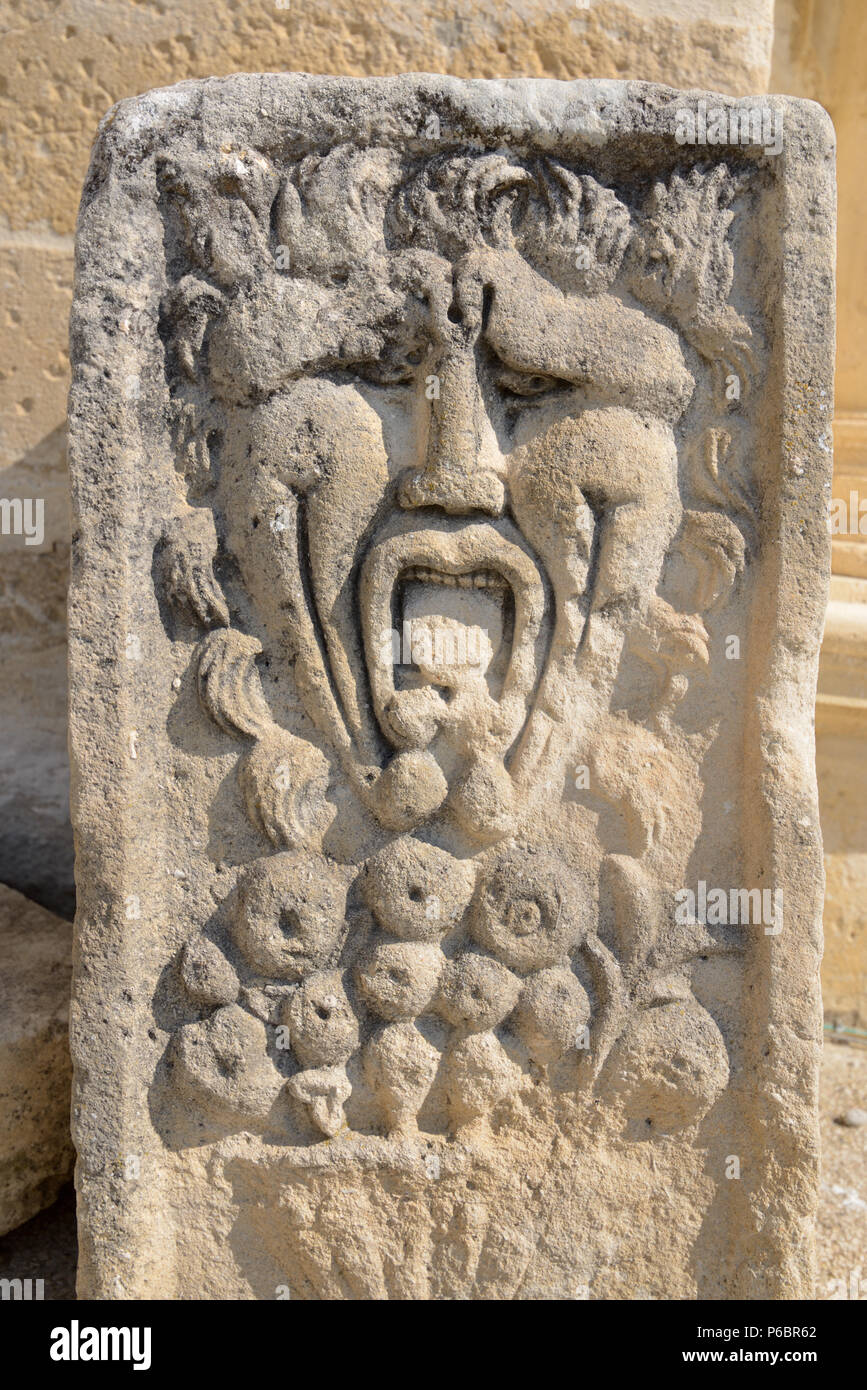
(611, 472)
(345, 502)
(313, 458)
(314, 436)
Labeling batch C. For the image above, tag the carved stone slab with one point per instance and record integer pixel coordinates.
(451, 463)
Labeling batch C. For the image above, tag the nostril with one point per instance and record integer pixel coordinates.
(455, 314)
(453, 490)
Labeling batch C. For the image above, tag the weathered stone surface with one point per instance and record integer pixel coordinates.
(35, 1147)
(449, 568)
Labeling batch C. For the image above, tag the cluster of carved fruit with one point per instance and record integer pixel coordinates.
(347, 1002)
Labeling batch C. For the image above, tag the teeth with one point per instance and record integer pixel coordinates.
(478, 579)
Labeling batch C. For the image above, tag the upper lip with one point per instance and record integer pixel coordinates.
(467, 579)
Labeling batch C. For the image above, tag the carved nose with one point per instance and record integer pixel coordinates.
(459, 472)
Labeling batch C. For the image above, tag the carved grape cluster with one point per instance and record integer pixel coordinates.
(441, 976)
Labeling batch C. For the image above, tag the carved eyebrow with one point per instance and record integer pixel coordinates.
(374, 371)
(511, 371)
(525, 381)
(621, 352)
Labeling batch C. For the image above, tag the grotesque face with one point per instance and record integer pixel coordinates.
(448, 479)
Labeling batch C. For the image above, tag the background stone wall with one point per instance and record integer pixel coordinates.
(64, 62)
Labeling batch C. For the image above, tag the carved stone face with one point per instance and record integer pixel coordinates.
(439, 421)
(442, 517)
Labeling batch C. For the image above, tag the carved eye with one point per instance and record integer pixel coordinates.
(383, 372)
(524, 385)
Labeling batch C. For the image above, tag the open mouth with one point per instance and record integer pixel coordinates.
(455, 629)
(451, 617)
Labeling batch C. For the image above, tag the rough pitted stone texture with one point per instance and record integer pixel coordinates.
(450, 560)
(35, 1071)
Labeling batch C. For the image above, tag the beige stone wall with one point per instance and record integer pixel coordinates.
(63, 64)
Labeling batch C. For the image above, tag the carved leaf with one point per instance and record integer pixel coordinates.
(187, 562)
(584, 234)
(229, 686)
(284, 781)
(715, 547)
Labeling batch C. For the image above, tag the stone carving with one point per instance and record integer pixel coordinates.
(454, 525)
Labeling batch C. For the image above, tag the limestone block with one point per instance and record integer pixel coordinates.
(449, 568)
(35, 1071)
